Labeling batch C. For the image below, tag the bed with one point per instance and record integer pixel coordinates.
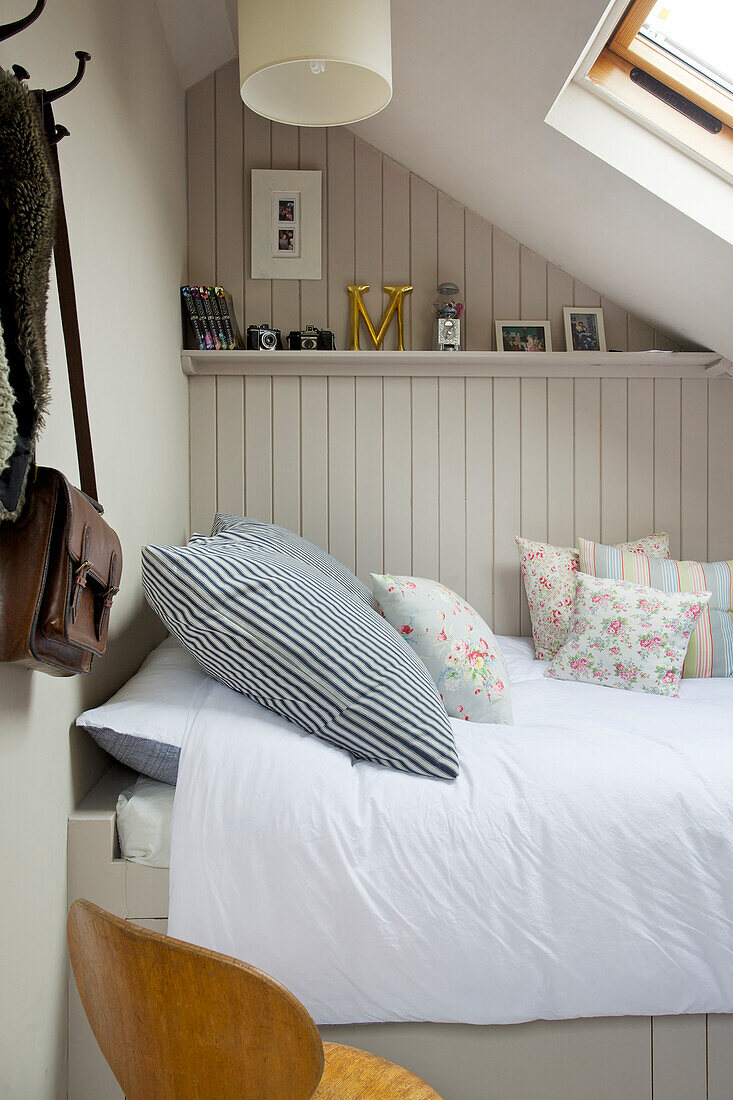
(385, 916)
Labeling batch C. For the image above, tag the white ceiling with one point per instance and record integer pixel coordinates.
(473, 82)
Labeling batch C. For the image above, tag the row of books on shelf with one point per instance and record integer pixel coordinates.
(209, 323)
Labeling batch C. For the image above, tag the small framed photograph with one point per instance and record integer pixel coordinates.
(286, 209)
(523, 336)
(286, 224)
(584, 329)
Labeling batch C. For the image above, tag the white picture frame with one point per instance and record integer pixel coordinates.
(286, 224)
(525, 334)
(584, 325)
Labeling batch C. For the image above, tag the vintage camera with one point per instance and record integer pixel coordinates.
(264, 338)
(312, 339)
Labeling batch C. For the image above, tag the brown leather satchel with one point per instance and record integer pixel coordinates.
(60, 562)
(60, 566)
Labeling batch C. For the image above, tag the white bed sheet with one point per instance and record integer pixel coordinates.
(581, 864)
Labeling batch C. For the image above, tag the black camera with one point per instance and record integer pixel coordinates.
(312, 339)
(264, 338)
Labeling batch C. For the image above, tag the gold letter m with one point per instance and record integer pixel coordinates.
(358, 309)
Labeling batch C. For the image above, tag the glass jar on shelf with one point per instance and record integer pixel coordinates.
(448, 313)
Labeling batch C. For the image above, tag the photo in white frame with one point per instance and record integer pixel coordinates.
(286, 224)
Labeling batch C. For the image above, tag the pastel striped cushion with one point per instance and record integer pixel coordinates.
(710, 652)
(284, 633)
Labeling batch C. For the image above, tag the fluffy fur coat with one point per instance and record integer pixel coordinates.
(27, 221)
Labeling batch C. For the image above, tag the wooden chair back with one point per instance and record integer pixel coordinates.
(178, 1021)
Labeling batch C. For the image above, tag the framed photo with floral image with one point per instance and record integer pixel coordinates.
(584, 329)
(523, 336)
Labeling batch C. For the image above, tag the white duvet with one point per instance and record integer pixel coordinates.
(581, 864)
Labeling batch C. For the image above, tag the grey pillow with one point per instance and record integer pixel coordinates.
(143, 725)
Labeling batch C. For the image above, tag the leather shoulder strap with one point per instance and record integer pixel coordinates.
(69, 316)
(72, 342)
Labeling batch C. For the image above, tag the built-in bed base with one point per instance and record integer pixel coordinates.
(625, 1058)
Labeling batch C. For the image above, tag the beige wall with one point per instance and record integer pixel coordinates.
(381, 224)
(124, 180)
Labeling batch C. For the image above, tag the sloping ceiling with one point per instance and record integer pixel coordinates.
(473, 82)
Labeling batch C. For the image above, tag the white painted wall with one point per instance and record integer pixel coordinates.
(124, 181)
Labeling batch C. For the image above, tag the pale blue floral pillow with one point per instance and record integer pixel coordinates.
(453, 641)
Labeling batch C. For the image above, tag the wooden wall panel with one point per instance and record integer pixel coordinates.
(507, 504)
(397, 495)
(425, 477)
(314, 459)
(480, 496)
(436, 476)
(257, 447)
(342, 470)
(452, 482)
(381, 224)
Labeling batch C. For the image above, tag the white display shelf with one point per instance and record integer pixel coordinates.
(464, 364)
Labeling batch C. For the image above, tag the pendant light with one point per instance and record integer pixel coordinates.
(315, 62)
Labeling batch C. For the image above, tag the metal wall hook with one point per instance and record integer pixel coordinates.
(7, 30)
(56, 93)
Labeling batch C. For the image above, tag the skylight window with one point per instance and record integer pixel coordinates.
(670, 63)
(696, 33)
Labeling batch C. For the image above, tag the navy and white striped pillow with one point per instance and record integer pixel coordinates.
(289, 636)
(260, 535)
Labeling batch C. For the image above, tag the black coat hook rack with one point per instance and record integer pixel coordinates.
(7, 30)
(45, 97)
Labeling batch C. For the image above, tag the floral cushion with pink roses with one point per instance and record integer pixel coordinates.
(549, 572)
(629, 636)
(453, 641)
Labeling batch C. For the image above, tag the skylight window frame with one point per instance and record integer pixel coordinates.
(606, 69)
(628, 44)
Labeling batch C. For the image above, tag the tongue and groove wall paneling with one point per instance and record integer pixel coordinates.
(559, 294)
(434, 476)
(720, 462)
(397, 493)
(507, 503)
(694, 470)
(342, 470)
(314, 292)
(285, 292)
(640, 502)
(452, 460)
(560, 473)
(314, 459)
(479, 495)
(396, 240)
(533, 488)
(425, 477)
(423, 259)
(614, 460)
(257, 154)
(369, 478)
(257, 447)
(667, 415)
(424, 237)
(587, 398)
(341, 230)
(478, 291)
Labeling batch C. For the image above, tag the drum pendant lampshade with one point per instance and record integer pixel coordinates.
(317, 63)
